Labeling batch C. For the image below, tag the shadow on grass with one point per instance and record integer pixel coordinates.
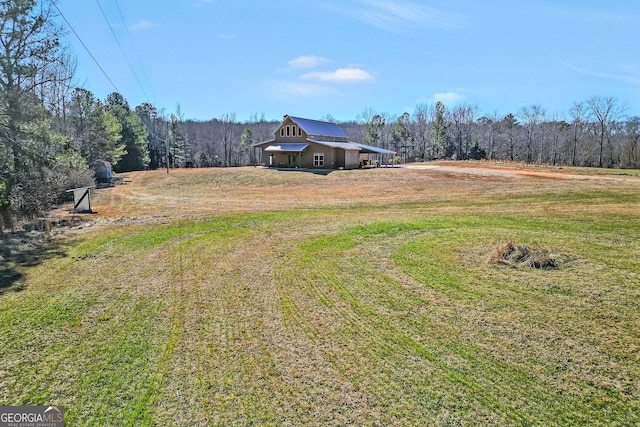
(323, 172)
(21, 250)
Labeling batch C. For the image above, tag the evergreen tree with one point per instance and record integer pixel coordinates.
(180, 147)
(134, 135)
(157, 129)
(440, 129)
(510, 124)
(373, 130)
(30, 177)
(96, 132)
(246, 141)
(401, 135)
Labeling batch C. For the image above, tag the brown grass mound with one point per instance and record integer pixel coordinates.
(516, 254)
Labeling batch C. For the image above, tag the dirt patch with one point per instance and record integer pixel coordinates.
(516, 170)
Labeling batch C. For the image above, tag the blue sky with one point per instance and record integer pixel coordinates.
(339, 57)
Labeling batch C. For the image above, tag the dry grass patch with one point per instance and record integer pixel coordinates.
(518, 254)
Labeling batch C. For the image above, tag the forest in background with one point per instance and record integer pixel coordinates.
(51, 131)
(593, 133)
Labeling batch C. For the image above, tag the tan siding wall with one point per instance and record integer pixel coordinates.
(316, 148)
(352, 160)
(294, 133)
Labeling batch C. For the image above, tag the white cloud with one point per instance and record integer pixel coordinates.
(296, 90)
(142, 25)
(309, 61)
(616, 77)
(227, 36)
(447, 98)
(402, 17)
(339, 76)
(201, 2)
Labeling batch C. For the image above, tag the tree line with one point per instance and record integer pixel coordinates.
(51, 131)
(592, 133)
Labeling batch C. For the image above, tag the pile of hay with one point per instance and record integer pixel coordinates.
(515, 255)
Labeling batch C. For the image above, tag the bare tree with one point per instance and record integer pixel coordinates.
(578, 126)
(605, 111)
(632, 141)
(462, 118)
(490, 127)
(531, 118)
(556, 131)
(228, 136)
(56, 93)
(262, 130)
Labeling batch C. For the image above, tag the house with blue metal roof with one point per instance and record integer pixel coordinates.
(314, 144)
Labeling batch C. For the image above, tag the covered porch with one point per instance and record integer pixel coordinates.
(286, 155)
(371, 157)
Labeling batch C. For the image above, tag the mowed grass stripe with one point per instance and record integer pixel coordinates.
(358, 313)
(223, 361)
(540, 313)
(384, 314)
(118, 311)
(368, 333)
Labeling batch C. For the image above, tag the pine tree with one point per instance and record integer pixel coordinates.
(134, 135)
(440, 130)
(30, 150)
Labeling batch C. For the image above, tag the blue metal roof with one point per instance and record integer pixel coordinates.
(345, 145)
(353, 146)
(370, 149)
(316, 127)
(287, 147)
(257, 144)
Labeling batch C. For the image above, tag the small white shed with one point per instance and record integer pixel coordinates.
(82, 199)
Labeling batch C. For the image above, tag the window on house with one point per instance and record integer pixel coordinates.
(282, 131)
(288, 130)
(318, 159)
(299, 131)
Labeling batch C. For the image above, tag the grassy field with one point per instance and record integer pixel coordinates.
(257, 297)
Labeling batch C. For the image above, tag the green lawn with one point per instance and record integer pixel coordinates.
(371, 315)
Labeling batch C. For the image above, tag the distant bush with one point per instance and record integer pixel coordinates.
(35, 192)
(477, 153)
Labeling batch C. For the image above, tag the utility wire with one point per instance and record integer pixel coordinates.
(122, 50)
(85, 47)
(135, 50)
(164, 140)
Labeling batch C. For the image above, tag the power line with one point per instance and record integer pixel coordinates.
(122, 50)
(85, 47)
(135, 50)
